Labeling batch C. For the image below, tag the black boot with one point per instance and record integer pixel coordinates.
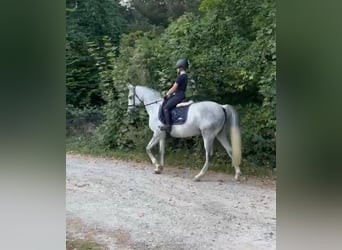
(167, 126)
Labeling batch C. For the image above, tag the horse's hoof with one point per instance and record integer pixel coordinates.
(243, 178)
(237, 180)
(158, 169)
(196, 179)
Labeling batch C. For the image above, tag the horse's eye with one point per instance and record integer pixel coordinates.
(131, 97)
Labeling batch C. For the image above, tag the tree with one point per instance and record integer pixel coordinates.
(161, 12)
(89, 21)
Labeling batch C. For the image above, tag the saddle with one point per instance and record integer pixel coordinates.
(179, 114)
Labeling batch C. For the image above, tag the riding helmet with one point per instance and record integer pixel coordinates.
(182, 63)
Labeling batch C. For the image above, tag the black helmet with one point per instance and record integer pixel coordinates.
(182, 63)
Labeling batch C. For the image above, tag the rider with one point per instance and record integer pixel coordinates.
(175, 94)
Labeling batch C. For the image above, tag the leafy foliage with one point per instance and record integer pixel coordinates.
(82, 121)
(162, 12)
(87, 23)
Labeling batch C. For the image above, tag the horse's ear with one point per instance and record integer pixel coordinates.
(130, 86)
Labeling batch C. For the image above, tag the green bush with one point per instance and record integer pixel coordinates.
(82, 121)
(258, 137)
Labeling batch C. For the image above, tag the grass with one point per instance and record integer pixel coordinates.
(219, 162)
(83, 245)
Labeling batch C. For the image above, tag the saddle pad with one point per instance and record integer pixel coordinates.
(178, 115)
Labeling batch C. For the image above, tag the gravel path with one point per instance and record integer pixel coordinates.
(123, 205)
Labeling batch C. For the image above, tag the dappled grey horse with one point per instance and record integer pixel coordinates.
(209, 119)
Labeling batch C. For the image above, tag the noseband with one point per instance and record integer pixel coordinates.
(135, 95)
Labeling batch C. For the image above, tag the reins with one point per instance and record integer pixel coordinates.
(153, 102)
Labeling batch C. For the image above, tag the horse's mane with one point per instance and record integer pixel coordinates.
(152, 90)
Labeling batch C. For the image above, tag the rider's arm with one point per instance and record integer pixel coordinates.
(172, 89)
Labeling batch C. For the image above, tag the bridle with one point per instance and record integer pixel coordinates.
(135, 95)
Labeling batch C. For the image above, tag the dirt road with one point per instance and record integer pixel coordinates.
(123, 205)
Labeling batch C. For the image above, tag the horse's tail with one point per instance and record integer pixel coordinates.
(235, 137)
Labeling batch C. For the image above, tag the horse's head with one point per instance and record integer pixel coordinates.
(133, 99)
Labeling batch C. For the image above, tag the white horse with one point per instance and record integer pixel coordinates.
(209, 119)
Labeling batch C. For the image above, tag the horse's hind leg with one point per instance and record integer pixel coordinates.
(208, 145)
(222, 138)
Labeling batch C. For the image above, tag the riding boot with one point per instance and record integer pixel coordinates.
(167, 126)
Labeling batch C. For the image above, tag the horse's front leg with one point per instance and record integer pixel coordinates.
(155, 139)
(161, 153)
